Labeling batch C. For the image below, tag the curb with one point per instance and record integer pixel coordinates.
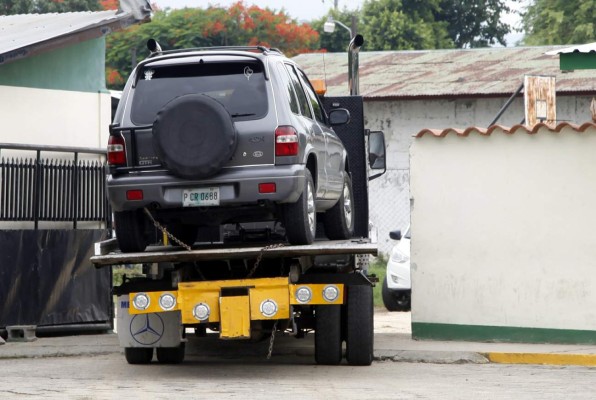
(584, 360)
(431, 357)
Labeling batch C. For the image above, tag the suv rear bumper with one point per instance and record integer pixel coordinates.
(237, 186)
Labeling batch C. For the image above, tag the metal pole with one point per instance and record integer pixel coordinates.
(506, 105)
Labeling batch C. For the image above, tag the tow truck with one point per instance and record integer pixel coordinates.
(271, 287)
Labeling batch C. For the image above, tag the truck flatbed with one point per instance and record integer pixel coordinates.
(106, 252)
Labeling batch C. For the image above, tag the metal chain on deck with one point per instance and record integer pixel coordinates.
(271, 341)
(165, 231)
(260, 256)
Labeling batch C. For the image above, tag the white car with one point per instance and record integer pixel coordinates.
(397, 286)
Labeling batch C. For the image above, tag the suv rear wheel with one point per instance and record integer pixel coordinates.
(130, 230)
(300, 218)
(339, 219)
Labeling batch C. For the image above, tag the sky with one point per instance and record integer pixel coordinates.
(308, 10)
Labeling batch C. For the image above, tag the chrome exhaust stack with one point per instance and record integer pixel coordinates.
(353, 77)
(153, 47)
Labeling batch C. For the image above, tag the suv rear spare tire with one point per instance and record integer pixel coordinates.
(194, 136)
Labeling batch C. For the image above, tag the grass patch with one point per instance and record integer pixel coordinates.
(377, 267)
(130, 271)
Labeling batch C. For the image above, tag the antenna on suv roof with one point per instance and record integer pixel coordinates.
(153, 47)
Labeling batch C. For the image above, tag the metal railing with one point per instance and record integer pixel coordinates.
(37, 189)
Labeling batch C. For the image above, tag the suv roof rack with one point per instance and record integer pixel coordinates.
(262, 49)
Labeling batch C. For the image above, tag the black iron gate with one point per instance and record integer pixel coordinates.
(46, 278)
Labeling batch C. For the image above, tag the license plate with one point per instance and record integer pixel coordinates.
(200, 197)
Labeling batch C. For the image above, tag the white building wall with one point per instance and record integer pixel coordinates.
(503, 229)
(54, 117)
(389, 203)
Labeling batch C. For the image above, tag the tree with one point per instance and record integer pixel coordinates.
(474, 23)
(549, 22)
(403, 25)
(340, 38)
(12, 7)
(213, 26)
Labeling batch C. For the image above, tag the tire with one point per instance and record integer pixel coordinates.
(328, 334)
(360, 325)
(130, 231)
(391, 300)
(138, 355)
(300, 218)
(339, 219)
(194, 136)
(186, 233)
(170, 355)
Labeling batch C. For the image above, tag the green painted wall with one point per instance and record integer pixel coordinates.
(571, 61)
(79, 67)
(503, 334)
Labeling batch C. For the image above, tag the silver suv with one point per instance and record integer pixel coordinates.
(205, 137)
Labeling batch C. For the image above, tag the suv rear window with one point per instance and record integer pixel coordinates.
(239, 86)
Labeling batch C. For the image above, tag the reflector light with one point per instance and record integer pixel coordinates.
(267, 188)
(134, 195)
(141, 301)
(116, 151)
(286, 141)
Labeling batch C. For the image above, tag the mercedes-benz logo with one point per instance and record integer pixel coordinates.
(146, 329)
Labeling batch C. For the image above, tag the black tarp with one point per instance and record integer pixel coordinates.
(46, 279)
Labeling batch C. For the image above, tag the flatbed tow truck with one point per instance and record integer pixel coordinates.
(254, 288)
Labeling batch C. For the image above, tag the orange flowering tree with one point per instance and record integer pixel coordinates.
(238, 25)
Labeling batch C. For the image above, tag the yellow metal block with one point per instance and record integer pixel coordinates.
(317, 293)
(190, 297)
(234, 317)
(153, 302)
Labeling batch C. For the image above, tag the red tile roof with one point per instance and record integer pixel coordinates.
(508, 130)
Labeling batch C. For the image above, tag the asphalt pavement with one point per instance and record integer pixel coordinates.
(393, 342)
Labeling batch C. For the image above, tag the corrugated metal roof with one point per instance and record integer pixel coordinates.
(444, 73)
(22, 34)
(583, 48)
(508, 130)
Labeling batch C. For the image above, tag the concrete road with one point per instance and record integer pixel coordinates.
(287, 377)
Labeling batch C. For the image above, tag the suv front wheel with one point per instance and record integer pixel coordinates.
(300, 218)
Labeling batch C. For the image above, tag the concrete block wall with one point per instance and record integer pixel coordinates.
(389, 203)
(503, 245)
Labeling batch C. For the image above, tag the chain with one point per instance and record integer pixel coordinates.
(165, 231)
(260, 256)
(271, 341)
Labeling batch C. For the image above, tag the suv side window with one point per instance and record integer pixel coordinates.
(314, 99)
(285, 80)
(302, 99)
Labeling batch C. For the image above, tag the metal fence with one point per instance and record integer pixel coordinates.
(45, 189)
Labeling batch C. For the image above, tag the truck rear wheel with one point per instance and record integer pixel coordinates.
(170, 355)
(138, 355)
(360, 325)
(130, 230)
(328, 334)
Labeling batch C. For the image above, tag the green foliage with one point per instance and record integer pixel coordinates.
(12, 7)
(378, 267)
(475, 23)
(403, 25)
(549, 22)
(237, 25)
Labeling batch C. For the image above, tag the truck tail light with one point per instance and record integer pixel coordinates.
(286, 141)
(116, 150)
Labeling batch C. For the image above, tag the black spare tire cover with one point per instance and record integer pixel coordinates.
(194, 136)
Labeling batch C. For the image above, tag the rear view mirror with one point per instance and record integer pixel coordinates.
(339, 116)
(376, 152)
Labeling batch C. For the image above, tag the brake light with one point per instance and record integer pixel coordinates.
(267, 187)
(286, 141)
(116, 150)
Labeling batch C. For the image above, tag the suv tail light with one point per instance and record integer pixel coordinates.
(286, 141)
(116, 150)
